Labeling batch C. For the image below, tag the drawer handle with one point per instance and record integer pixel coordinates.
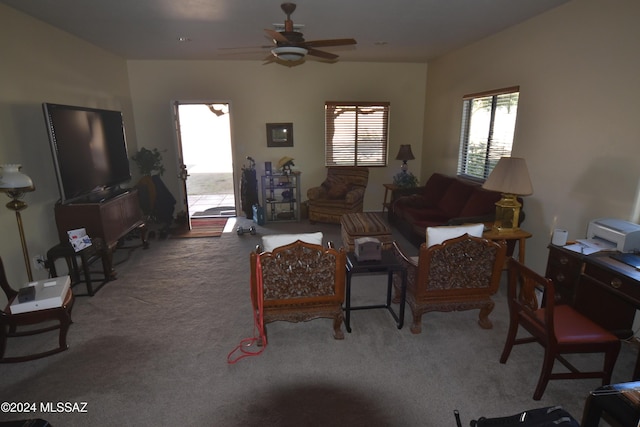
(616, 283)
(560, 277)
(564, 260)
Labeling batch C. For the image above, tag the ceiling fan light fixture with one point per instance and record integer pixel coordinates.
(289, 53)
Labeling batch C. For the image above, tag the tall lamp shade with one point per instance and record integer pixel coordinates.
(511, 178)
(405, 154)
(15, 184)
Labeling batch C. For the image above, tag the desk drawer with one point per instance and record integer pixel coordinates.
(564, 269)
(624, 287)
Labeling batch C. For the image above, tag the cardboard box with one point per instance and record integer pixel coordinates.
(50, 293)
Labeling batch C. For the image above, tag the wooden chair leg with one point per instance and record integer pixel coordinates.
(337, 326)
(511, 338)
(483, 317)
(416, 326)
(610, 358)
(545, 374)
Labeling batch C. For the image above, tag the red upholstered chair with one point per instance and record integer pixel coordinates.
(51, 319)
(558, 328)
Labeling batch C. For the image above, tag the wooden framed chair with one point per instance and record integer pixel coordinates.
(52, 319)
(455, 270)
(558, 328)
(300, 281)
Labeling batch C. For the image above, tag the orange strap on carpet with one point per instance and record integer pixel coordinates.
(246, 345)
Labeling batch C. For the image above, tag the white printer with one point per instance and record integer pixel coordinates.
(622, 235)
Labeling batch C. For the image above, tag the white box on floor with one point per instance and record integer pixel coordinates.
(50, 293)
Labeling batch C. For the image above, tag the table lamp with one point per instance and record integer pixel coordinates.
(15, 184)
(405, 154)
(511, 178)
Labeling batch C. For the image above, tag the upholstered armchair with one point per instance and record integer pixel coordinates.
(301, 281)
(342, 192)
(452, 274)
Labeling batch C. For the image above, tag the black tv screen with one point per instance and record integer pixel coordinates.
(89, 150)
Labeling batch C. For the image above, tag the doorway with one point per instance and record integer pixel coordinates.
(205, 157)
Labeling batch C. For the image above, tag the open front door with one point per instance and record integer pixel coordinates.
(205, 160)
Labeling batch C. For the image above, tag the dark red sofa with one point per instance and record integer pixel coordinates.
(443, 200)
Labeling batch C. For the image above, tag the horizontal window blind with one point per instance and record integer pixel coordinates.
(356, 133)
(488, 126)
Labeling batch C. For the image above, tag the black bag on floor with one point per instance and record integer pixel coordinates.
(553, 416)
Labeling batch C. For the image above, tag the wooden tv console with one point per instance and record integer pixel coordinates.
(109, 220)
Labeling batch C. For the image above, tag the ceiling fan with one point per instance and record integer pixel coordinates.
(290, 45)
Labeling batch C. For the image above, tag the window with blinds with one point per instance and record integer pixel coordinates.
(356, 133)
(488, 126)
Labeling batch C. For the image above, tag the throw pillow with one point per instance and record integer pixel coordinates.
(270, 242)
(335, 187)
(437, 235)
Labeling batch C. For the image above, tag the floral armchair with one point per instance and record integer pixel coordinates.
(341, 192)
(300, 281)
(454, 274)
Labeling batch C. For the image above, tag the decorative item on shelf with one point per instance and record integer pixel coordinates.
(149, 161)
(287, 196)
(510, 177)
(15, 184)
(285, 164)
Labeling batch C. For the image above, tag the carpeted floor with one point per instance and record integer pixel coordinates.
(150, 349)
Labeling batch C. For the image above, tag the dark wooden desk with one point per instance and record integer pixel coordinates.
(600, 287)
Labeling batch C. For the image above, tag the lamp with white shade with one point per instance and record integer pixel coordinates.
(15, 184)
(511, 178)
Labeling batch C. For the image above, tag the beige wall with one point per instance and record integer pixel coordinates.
(261, 94)
(577, 67)
(42, 64)
(578, 117)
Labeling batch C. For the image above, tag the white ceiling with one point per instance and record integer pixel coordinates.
(386, 30)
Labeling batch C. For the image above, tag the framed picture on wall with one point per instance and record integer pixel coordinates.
(279, 134)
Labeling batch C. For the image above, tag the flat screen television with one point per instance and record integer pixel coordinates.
(89, 151)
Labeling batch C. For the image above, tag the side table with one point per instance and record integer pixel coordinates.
(87, 256)
(388, 264)
(387, 188)
(518, 236)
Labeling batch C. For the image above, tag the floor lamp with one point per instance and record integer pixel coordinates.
(15, 184)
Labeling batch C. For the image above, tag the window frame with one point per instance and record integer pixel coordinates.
(340, 154)
(491, 155)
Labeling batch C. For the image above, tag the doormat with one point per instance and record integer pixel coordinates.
(220, 211)
(202, 227)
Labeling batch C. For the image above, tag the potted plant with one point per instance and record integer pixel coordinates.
(405, 179)
(149, 161)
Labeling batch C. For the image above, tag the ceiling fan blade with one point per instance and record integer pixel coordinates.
(276, 36)
(321, 53)
(331, 42)
(245, 47)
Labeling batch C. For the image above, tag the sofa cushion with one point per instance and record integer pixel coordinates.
(455, 198)
(437, 235)
(481, 202)
(435, 187)
(272, 241)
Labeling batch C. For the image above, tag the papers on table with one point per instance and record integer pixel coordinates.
(79, 239)
(590, 246)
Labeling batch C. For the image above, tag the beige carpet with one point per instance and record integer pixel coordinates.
(150, 349)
